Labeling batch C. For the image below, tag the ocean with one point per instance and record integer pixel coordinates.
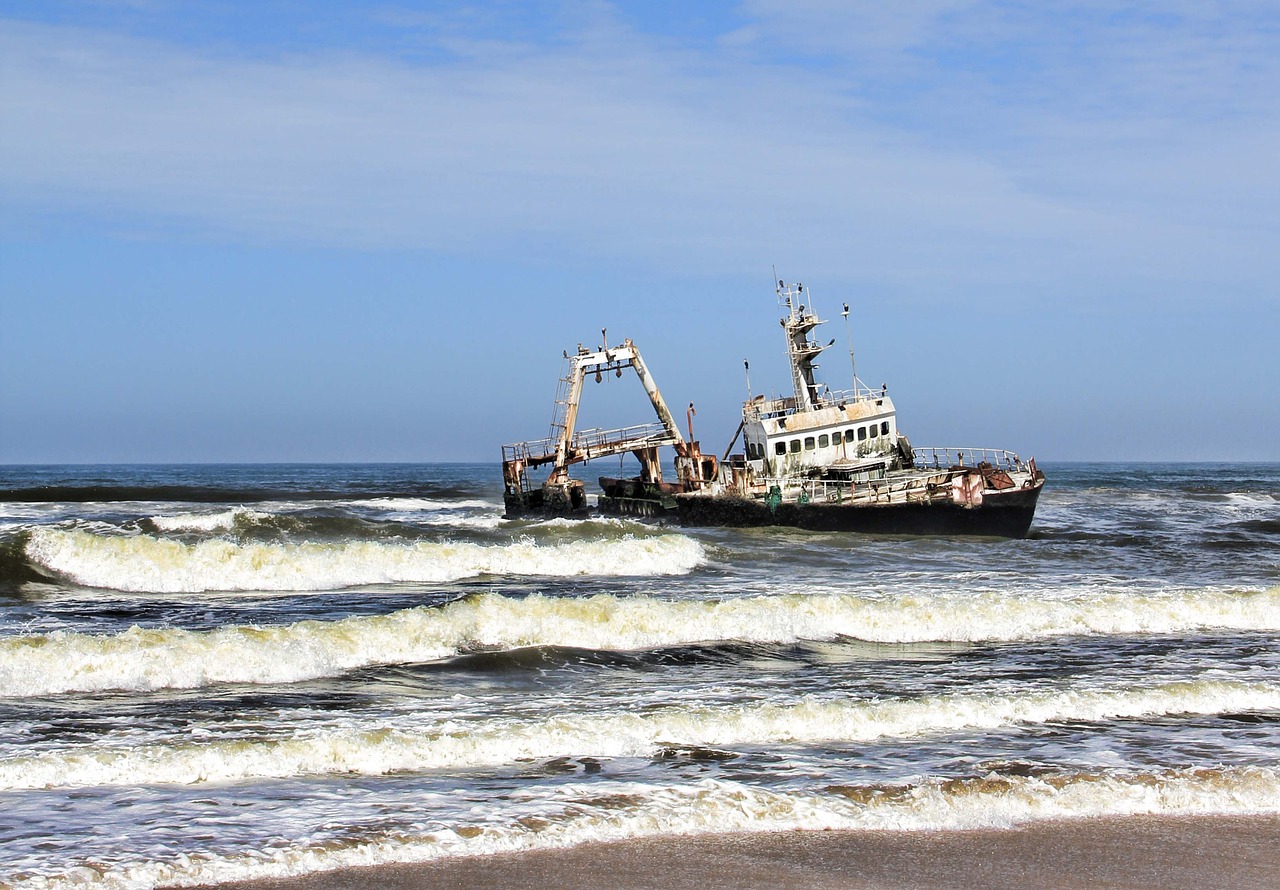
(212, 673)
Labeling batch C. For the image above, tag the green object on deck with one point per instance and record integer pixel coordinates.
(773, 499)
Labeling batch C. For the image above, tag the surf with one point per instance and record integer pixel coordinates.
(170, 657)
(597, 812)
(145, 563)
(372, 747)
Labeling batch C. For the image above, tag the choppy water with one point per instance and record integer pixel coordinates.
(210, 673)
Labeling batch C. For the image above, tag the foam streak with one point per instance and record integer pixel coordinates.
(716, 806)
(365, 749)
(141, 659)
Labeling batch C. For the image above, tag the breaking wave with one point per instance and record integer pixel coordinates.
(598, 812)
(357, 746)
(207, 522)
(406, 505)
(177, 658)
(145, 563)
(458, 520)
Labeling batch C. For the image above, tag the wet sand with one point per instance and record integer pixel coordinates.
(1168, 853)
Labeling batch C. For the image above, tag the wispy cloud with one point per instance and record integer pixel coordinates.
(1088, 137)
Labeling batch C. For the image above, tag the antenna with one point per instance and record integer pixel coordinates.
(853, 365)
(746, 366)
(780, 289)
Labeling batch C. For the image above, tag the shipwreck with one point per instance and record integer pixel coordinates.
(816, 459)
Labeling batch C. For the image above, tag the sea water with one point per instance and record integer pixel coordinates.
(220, 672)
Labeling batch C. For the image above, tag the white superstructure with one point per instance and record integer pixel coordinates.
(816, 427)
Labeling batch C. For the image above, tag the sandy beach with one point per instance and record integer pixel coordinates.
(1157, 852)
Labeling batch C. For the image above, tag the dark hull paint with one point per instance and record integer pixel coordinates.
(567, 499)
(1006, 514)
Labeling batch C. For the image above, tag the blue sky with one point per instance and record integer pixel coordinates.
(309, 231)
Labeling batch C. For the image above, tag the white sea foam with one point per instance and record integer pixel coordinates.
(408, 505)
(455, 520)
(151, 564)
(565, 522)
(1253, 498)
(366, 747)
(171, 657)
(599, 812)
(207, 522)
(458, 513)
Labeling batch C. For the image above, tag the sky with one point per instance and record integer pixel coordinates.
(309, 231)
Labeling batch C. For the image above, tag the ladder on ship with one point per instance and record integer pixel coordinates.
(561, 406)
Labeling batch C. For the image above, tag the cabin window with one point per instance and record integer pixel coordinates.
(848, 435)
(884, 428)
(808, 443)
(824, 440)
(835, 438)
(780, 448)
(795, 446)
(862, 433)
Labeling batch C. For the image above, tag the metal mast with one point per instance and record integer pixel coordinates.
(798, 323)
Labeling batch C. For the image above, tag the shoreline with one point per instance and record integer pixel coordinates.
(1159, 852)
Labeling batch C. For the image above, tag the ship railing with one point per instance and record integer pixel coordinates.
(638, 435)
(761, 407)
(839, 397)
(589, 440)
(915, 486)
(534, 450)
(754, 410)
(942, 458)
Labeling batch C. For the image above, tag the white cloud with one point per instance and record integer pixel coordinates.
(612, 144)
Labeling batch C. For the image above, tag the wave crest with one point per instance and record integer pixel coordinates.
(176, 658)
(207, 522)
(600, 812)
(145, 563)
(381, 747)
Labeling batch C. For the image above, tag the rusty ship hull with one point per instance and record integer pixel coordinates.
(916, 503)
(1003, 515)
